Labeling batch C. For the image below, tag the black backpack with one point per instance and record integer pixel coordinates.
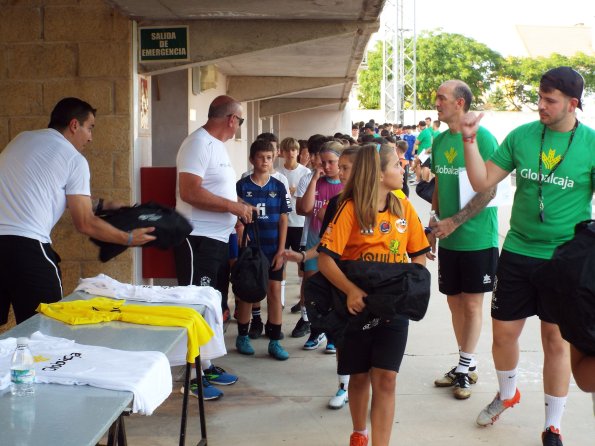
(250, 274)
(171, 228)
(567, 287)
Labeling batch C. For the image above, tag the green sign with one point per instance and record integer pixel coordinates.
(163, 44)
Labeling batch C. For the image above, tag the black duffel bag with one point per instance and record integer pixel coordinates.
(171, 228)
(250, 273)
(394, 289)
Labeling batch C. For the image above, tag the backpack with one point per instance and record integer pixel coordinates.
(566, 285)
(250, 274)
(171, 227)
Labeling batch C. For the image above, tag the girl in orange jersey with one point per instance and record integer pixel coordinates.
(372, 224)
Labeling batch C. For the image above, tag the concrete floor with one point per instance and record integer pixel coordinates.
(285, 403)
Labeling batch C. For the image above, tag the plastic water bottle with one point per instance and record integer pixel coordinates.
(22, 370)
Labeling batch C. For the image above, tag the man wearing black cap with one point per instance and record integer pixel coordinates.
(555, 164)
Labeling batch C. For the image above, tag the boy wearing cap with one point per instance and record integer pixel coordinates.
(555, 164)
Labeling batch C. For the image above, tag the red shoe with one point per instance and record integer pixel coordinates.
(358, 439)
(226, 315)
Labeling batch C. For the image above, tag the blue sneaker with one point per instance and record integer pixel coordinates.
(243, 345)
(330, 348)
(277, 351)
(216, 375)
(339, 400)
(208, 391)
(314, 341)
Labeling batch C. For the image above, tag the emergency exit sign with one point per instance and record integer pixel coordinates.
(163, 44)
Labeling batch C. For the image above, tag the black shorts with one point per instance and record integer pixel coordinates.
(29, 275)
(294, 237)
(199, 259)
(466, 271)
(382, 347)
(427, 163)
(515, 297)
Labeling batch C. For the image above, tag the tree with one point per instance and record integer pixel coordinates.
(440, 56)
(519, 78)
(370, 79)
(443, 56)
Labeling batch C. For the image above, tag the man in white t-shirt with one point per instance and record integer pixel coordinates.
(206, 196)
(41, 173)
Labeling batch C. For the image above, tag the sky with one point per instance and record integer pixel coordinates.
(493, 23)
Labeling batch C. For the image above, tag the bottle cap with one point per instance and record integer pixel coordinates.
(22, 341)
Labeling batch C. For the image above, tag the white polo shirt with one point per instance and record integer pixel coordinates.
(205, 156)
(37, 170)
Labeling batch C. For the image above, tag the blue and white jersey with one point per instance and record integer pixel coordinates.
(270, 200)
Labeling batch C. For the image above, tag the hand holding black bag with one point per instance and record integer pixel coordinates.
(250, 273)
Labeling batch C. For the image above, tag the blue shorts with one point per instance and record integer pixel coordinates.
(313, 240)
(233, 246)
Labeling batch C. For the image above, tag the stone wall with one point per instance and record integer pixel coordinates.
(50, 49)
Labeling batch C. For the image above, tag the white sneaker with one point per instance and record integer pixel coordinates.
(339, 400)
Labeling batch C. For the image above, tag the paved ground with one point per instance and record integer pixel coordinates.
(284, 403)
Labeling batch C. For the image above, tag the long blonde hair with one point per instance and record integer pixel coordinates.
(362, 186)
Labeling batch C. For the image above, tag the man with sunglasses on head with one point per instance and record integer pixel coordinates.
(206, 196)
(555, 164)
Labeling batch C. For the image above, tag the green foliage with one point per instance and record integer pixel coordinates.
(496, 83)
(370, 80)
(443, 56)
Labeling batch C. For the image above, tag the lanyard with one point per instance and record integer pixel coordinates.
(540, 178)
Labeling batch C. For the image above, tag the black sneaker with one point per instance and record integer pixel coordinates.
(302, 328)
(267, 332)
(256, 329)
(551, 437)
(296, 308)
(462, 386)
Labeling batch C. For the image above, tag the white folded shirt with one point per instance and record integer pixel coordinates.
(146, 374)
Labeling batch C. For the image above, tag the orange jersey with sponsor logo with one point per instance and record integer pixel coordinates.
(392, 240)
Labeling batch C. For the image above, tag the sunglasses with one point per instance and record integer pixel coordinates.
(240, 120)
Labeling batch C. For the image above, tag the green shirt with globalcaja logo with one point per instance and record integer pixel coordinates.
(481, 231)
(567, 193)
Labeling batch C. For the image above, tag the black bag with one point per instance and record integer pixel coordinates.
(567, 288)
(425, 189)
(394, 289)
(171, 228)
(250, 274)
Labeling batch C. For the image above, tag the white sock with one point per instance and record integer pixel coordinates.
(473, 362)
(283, 293)
(343, 381)
(304, 314)
(364, 432)
(464, 362)
(554, 409)
(205, 364)
(507, 383)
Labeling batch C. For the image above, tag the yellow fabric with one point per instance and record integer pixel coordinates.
(103, 309)
(399, 193)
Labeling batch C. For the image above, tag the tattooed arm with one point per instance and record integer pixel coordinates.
(447, 226)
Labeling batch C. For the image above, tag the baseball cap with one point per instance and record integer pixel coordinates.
(565, 79)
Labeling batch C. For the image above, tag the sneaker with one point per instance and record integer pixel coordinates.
(314, 341)
(256, 329)
(267, 332)
(226, 315)
(296, 308)
(462, 387)
(492, 411)
(551, 437)
(277, 351)
(330, 348)
(339, 400)
(243, 345)
(449, 377)
(209, 392)
(216, 375)
(302, 328)
(358, 439)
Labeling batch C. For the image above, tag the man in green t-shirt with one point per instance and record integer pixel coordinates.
(554, 161)
(468, 233)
